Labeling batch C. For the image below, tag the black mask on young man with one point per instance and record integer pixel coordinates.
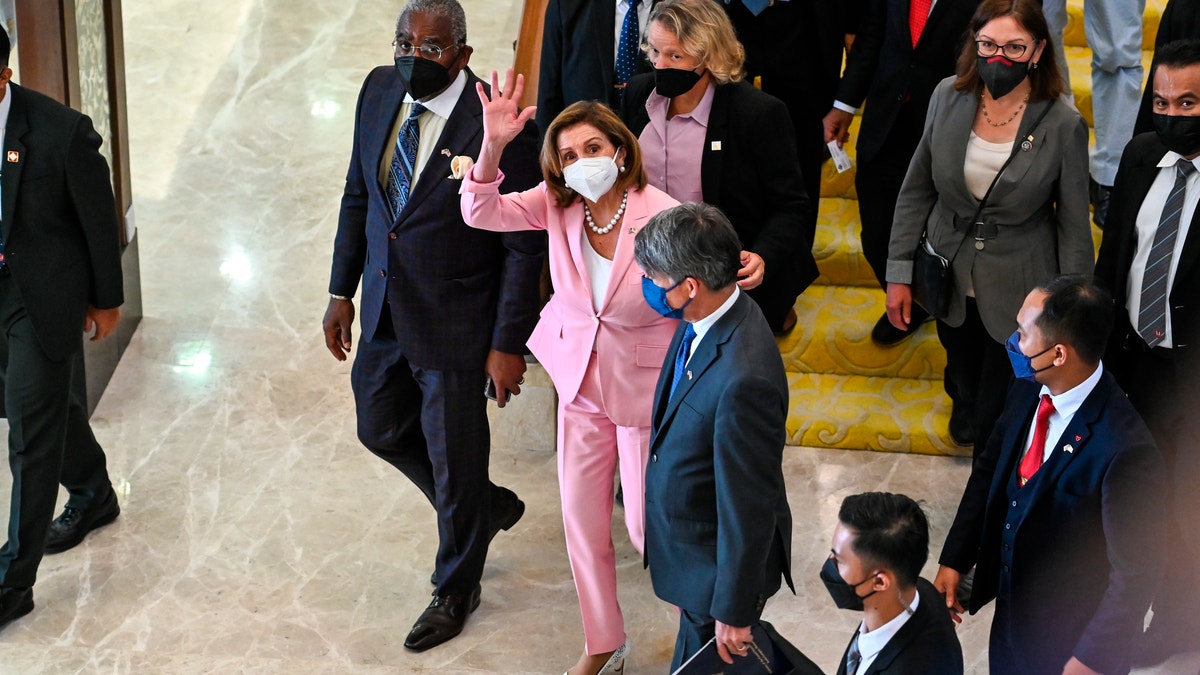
(1180, 133)
(845, 595)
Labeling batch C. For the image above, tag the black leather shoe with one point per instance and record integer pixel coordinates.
(962, 429)
(885, 334)
(442, 620)
(69, 529)
(14, 604)
(1099, 196)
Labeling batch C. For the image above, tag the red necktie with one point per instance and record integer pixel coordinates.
(918, 14)
(1033, 456)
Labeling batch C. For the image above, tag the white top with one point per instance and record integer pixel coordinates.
(643, 14)
(430, 126)
(701, 326)
(599, 269)
(983, 161)
(1066, 405)
(5, 105)
(870, 644)
(1147, 225)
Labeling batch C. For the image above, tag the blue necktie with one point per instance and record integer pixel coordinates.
(681, 357)
(853, 656)
(403, 161)
(1152, 313)
(755, 6)
(627, 48)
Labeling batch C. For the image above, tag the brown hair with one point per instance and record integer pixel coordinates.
(1045, 77)
(705, 32)
(606, 121)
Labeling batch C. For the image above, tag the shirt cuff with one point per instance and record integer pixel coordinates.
(845, 108)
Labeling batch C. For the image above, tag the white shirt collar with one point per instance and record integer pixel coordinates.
(701, 326)
(1172, 157)
(870, 644)
(443, 104)
(1067, 403)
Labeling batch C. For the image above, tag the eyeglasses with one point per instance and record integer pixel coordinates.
(1012, 50)
(428, 51)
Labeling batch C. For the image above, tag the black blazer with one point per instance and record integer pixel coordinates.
(884, 68)
(453, 291)
(749, 170)
(577, 56)
(718, 525)
(1136, 173)
(1180, 20)
(61, 236)
(1077, 553)
(925, 644)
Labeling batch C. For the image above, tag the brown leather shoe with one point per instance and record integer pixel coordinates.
(442, 620)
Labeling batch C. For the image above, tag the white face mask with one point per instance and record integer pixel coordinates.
(592, 177)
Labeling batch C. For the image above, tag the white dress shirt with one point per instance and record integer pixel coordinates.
(1147, 225)
(430, 126)
(643, 14)
(701, 326)
(870, 644)
(1066, 405)
(599, 270)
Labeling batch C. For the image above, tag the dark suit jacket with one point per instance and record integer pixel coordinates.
(1086, 532)
(1180, 21)
(925, 644)
(718, 526)
(1136, 173)
(577, 56)
(453, 291)
(61, 236)
(754, 178)
(885, 69)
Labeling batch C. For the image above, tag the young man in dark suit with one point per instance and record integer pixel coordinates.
(882, 539)
(903, 48)
(1063, 515)
(444, 307)
(718, 526)
(1150, 261)
(60, 275)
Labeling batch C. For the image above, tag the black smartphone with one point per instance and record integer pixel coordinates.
(489, 390)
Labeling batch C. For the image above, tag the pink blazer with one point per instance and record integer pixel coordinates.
(629, 338)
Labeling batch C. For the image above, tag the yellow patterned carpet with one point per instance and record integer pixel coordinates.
(847, 392)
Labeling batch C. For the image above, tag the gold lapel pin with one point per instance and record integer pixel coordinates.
(14, 156)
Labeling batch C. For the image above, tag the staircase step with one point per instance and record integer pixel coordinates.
(838, 245)
(834, 337)
(870, 413)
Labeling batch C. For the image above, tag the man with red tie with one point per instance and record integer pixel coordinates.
(1063, 515)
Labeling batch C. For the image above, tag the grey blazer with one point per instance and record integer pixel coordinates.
(1036, 218)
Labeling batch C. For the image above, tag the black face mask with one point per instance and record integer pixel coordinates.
(422, 77)
(1180, 133)
(672, 82)
(1000, 75)
(844, 595)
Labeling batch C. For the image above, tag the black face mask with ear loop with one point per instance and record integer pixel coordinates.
(1180, 133)
(422, 77)
(845, 595)
(672, 82)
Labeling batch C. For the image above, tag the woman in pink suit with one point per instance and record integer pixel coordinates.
(600, 342)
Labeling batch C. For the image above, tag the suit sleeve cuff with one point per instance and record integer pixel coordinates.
(899, 271)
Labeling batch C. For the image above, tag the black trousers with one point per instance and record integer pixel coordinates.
(432, 426)
(49, 439)
(877, 181)
(977, 373)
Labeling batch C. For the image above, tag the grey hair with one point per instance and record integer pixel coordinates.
(447, 9)
(690, 240)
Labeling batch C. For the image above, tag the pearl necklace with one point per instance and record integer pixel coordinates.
(1011, 117)
(587, 213)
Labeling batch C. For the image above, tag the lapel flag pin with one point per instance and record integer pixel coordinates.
(14, 156)
(689, 374)
(1069, 449)
(446, 152)
(632, 231)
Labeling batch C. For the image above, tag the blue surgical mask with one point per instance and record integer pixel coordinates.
(1023, 365)
(656, 297)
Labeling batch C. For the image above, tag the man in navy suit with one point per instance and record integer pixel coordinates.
(444, 307)
(880, 544)
(60, 274)
(718, 525)
(1063, 515)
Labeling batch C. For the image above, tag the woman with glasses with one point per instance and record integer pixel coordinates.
(600, 341)
(709, 136)
(1005, 102)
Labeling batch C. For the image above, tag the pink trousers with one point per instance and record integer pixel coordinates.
(591, 449)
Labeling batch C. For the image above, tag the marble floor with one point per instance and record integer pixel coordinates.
(257, 535)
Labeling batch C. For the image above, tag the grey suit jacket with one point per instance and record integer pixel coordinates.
(1039, 208)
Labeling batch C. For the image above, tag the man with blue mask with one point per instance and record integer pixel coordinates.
(1149, 261)
(718, 525)
(1063, 517)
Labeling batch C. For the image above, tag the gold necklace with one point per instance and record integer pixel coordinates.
(988, 118)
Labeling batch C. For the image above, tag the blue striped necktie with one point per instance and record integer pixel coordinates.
(1152, 312)
(404, 160)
